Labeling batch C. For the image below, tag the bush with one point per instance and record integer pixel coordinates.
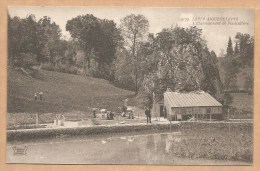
(25, 60)
(144, 100)
(48, 66)
(61, 68)
(228, 99)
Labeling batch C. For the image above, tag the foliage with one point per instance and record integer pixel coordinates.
(230, 51)
(28, 36)
(124, 66)
(98, 38)
(246, 48)
(65, 68)
(178, 59)
(249, 82)
(25, 60)
(235, 62)
(215, 144)
(134, 28)
(49, 37)
(22, 37)
(227, 100)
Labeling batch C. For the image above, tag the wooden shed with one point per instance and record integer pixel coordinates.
(183, 106)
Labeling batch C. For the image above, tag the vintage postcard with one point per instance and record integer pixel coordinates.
(130, 85)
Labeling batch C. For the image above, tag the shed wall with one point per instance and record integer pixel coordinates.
(195, 110)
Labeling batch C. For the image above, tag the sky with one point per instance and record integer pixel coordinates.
(216, 34)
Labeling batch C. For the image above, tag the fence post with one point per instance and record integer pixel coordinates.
(37, 119)
(170, 123)
(228, 114)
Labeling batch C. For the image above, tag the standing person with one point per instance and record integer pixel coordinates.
(148, 115)
(94, 113)
(35, 96)
(40, 94)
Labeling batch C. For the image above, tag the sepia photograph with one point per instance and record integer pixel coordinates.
(130, 85)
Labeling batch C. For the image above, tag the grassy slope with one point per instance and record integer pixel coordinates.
(62, 93)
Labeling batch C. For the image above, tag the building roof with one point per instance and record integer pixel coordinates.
(190, 99)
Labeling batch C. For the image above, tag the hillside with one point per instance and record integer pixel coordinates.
(61, 93)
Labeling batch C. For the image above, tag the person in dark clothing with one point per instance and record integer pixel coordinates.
(94, 113)
(35, 96)
(112, 116)
(40, 94)
(148, 115)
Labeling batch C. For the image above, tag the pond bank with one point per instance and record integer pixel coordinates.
(13, 135)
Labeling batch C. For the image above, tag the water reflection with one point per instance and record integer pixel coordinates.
(135, 149)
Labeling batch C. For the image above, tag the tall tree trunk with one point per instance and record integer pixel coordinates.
(136, 70)
(84, 66)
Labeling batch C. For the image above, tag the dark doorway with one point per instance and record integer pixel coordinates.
(161, 111)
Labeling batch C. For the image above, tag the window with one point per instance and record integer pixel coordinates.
(208, 110)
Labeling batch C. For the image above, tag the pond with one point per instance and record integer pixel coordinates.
(123, 148)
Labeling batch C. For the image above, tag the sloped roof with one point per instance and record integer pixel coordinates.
(190, 99)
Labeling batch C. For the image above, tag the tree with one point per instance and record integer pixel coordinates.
(181, 61)
(27, 36)
(242, 57)
(221, 53)
(50, 34)
(231, 67)
(236, 50)
(27, 60)
(124, 66)
(229, 48)
(107, 46)
(134, 27)
(14, 38)
(23, 38)
(249, 82)
(227, 100)
(85, 29)
(230, 74)
(246, 48)
(99, 39)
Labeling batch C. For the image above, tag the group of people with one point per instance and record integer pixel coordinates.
(109, 114)
(126, 113)
(40, 96)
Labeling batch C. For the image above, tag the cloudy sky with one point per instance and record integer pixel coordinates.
(215, 35)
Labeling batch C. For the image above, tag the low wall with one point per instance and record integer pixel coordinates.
(218, 125)
(98, 129)
(52, 132)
